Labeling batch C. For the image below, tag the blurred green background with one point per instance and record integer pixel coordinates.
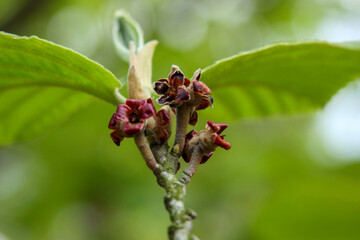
(286, 177)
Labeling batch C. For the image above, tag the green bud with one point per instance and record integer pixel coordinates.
(126, 30)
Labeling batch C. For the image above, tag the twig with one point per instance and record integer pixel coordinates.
(146, 153)
(182, 122)
(181, 220)
(191, 169)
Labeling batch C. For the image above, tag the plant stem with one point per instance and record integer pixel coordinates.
(181, 219)
(182, 122)
(146, 153)
(191, 169)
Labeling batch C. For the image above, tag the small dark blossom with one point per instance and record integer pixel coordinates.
(162, 119)
(200, 96)
(201, 92)
(173, 90)
(129, 119)
(206, 141)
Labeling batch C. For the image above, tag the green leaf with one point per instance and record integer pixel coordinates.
(26, 112)
(280, 79)
(30, 61)
(42, 84)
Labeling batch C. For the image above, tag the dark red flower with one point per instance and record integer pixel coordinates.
(206, 141)
(129, 118)
(199, 95)
(173, 90)
(160, 131)
(201, 92)
(188, 137)
(162, 119)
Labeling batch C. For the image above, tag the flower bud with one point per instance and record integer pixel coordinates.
(205, 141)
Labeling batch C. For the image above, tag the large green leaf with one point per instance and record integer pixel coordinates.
(27, 112)
(280, 79)
(38, 80)
(30, 61)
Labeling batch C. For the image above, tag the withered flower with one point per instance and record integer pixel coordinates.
(173, 90)
(129, 119)
(206, 141)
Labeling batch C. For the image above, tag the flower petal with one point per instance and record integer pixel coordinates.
(176, 77)
(149, 100)
(112, 123)
(212, 126)
(190, 135)
(206, 101)
(221, 142)
(186, 157)
(176, 82)
(116, 137)
(206, 157)
(222, 127)
(193, 118)
(201, 87)
(163, 80)
(122, 113)
(163, 116)
(182, 94)
(177, 74)
(147, 110)
(187, 82)
(161, 87)
(162, 135)
(132, 128)
(135, 103)
(211, 100)
(197, 75)
(165, 100)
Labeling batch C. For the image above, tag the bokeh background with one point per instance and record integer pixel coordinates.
(286, 177)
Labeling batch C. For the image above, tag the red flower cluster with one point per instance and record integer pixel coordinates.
(178, 90)
(130, 119)
(173, 90)
(206, 140)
